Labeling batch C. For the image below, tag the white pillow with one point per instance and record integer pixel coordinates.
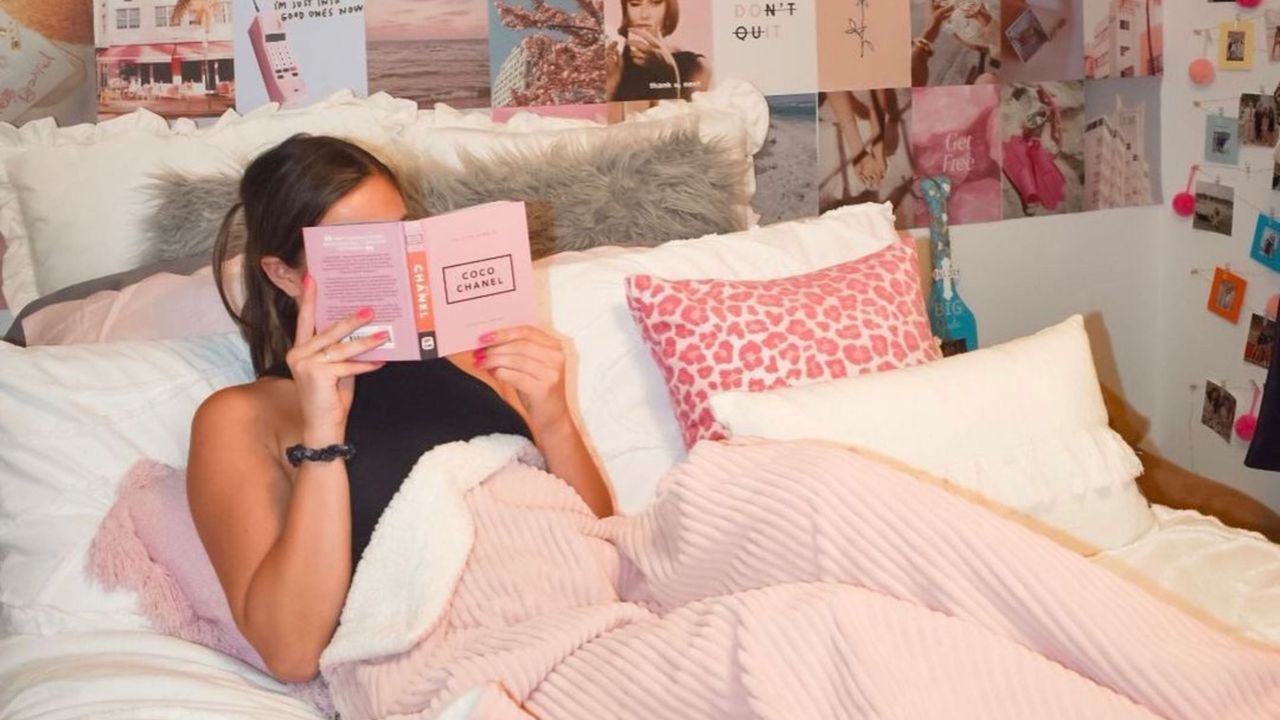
(73, 200)
(1022, 423)
(620, 394)
(73, 420)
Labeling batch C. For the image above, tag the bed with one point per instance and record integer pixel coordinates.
(125, 337)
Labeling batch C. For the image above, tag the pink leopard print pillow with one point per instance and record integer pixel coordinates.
(708, 336)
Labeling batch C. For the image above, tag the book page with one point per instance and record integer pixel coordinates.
(364, 266)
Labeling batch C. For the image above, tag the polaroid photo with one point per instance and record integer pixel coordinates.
(1266, 242)
(1221, 140)
(1215, 208)
(1219, 411)
(1261, 341)
(1235, 45)
(1258, 121)
(1026, 35)
(1226, 295)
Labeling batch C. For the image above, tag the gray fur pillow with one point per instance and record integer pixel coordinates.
(623, 193)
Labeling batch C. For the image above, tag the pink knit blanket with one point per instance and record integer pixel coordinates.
(779, 580)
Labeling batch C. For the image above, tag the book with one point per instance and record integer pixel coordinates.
(435, 284)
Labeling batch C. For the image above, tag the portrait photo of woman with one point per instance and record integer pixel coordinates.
(648, 59)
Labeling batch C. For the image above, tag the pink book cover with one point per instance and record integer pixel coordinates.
(435, 285)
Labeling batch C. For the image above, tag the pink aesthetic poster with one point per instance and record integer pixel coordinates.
(1043, 148)
(864, 153)
(1123, 38)
(655, 52)
(863, 44)
(955, 131)
(47, 62)
(1042, 40)
(769, 44)
(956, 42)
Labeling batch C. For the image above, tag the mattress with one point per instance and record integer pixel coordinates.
(1231, 575)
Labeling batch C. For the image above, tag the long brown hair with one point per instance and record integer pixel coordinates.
(287, 188)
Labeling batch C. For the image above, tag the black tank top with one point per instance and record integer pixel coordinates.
(1264, 450)
(400, 412)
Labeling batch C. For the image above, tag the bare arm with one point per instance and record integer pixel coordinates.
(282, 553)
(529, 363)
(281, 549)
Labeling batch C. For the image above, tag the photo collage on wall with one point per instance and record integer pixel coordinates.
(1031, 107)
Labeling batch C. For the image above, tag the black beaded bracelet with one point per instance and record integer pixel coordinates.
(298, 453)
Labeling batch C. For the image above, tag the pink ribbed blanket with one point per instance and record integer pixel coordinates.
(780, 580)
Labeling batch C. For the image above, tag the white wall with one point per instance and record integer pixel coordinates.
(1197, 345)
(1023, 275)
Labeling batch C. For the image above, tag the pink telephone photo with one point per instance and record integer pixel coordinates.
(275, 56)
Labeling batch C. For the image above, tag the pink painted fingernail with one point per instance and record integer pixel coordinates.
(479, 356)
(487, 337)
(307, 280)
(383, 335)
(365, 314)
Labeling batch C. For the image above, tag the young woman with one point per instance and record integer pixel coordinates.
(284, 533)
(648, 66)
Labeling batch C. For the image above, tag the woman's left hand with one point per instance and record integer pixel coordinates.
(531, 361)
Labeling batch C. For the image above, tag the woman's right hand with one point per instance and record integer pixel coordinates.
(612, 70)
(647, 47)
(323, 369)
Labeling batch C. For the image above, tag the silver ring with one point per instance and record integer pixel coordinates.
(325, 353)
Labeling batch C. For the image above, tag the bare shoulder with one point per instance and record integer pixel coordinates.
(240, 424)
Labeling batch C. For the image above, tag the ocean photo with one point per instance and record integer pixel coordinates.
(786, 167)
(454, 72)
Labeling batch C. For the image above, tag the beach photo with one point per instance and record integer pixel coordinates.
(429, 51)
(1215, 208)
(1042, 152)
(864, 151)
(787, 165)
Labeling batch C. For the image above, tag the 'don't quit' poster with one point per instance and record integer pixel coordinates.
(769, 43)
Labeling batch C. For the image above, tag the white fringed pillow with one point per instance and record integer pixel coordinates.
(1022, 423)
